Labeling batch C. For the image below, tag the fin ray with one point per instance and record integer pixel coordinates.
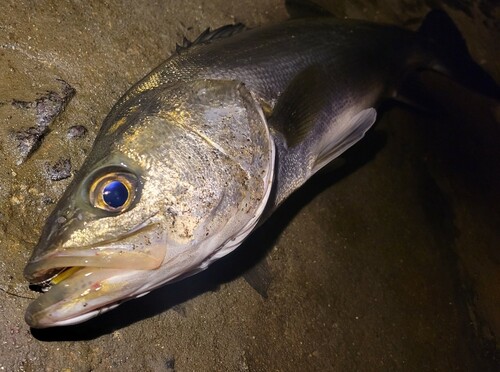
(209, 35)
(300, 105)
(260, 277)
(358, 126)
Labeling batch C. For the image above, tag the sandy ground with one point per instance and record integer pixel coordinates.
(387, 262)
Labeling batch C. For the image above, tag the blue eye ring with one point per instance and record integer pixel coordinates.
(113, 192)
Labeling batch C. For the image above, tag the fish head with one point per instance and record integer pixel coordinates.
(176, 179)
(99, 234)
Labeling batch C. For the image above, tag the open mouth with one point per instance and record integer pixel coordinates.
(78, 283)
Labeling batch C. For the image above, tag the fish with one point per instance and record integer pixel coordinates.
(197, 154)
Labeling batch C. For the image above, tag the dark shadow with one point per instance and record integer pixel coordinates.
(226, 269)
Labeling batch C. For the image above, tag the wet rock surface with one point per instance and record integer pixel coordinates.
(388, 262)
(76, 131)
(45, 110)
(58, 171)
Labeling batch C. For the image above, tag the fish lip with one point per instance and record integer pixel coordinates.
(42, 270)
(77, 298)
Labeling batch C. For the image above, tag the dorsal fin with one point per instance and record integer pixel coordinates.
(305, 8)
(209, 35)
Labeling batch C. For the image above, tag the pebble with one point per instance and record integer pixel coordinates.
(76, 131)
(58, 171)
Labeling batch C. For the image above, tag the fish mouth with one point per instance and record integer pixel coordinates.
(84, 294)
(141, 248)
(80, 283)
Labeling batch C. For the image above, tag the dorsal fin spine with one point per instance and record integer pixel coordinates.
(209, 35)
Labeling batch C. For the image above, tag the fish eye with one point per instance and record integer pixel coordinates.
(113, 192)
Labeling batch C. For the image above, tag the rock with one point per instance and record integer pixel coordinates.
(76, 131)
(46, 108)
(59, 171)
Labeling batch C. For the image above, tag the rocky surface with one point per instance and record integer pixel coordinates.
(387, 262)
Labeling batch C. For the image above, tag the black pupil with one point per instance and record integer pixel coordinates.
(115, 194)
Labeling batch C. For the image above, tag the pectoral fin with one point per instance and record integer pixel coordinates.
(300, 106)
(357, 126)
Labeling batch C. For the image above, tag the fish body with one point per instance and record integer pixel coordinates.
(320, 63)
(197, 153)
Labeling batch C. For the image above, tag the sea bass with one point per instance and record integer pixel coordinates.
(195, 155)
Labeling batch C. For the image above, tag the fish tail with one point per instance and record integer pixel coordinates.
(452, 58)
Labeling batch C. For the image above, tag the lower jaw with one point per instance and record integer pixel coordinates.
(77, 294)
